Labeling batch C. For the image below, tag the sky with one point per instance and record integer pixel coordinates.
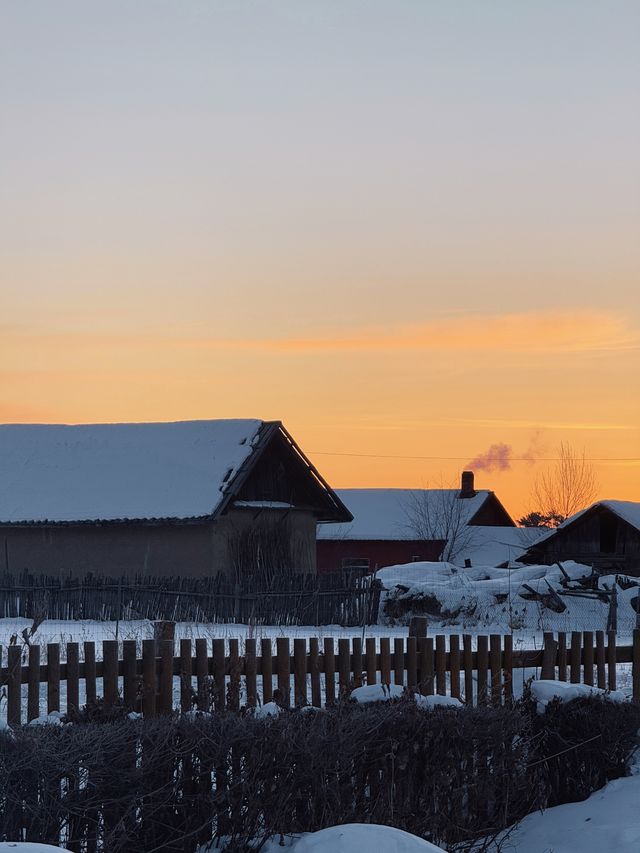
(409, 229)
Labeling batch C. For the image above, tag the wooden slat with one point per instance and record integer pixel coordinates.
(329, 671)
(284, 671)
(507, 668)
(233, 694)
(110, 671)
(165, 691)
(14, 686)
(467, 660)
(495, 663)
(426, 665)
(73, 678)
(385, 660)
(601, 660)
(300, 672)
(454, 664)
(562, 656)
(344, 666)
(575, 656)
(219, 674)
(441, 665)
(611, 660)
(398, 661)
(549, 655)
(186, 666)
(266, 666)
(314, 670)
(33, 690)
(635, 670)
(53, 677)
(482, 666)
(148, 678)
(412, 663)
(250, 671)
(587, 645)
(356, 658)
(202, 673)
(90, 672)
(371, 660)
(129, 674)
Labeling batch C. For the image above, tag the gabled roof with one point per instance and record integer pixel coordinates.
(383, 514)
(628, 511)
(139, 471)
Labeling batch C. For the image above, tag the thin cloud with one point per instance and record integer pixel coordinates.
(539, 332)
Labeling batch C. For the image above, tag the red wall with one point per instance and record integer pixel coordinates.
(380, 553)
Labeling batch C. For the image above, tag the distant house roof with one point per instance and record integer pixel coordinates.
(628, 511)
(137, 471)
(495, 546)
(383, 514)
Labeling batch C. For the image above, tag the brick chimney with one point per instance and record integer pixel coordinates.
(466, 485)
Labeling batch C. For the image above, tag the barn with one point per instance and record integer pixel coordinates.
(606, 535)
(393, 526)
(191, 498)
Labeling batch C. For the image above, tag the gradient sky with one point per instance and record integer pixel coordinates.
(403, 228)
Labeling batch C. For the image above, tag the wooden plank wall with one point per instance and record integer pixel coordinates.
(209, 675)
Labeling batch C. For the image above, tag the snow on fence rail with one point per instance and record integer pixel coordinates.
(207, 677)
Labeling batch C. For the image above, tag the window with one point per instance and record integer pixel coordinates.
(355, 563)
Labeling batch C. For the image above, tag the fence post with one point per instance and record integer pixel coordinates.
(636, 665)
(549, 656)
(14, 686)
(163, 630)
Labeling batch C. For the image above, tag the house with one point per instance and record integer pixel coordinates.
(606, 535)
(393, 526)
(187, 498)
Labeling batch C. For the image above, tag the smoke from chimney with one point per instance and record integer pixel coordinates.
(496, 458)
(500, 456)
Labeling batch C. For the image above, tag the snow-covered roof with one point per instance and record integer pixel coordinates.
(384, 514)
(493, 546)
(106, 472)
(628, 511)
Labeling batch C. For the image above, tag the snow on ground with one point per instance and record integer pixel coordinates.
(28, 847)
(356, 837)
(608, 821)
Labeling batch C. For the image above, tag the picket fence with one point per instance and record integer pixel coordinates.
(214, 675)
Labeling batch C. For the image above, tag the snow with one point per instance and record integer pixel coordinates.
(494, 599)
(382, 514)
(609, 820)
(546, 690)
(115, 471)
(428, 703)
(53, 718)
(376, 693)
(269, 709)
(357, 837)
(28, 847)
(493, 546)
(384, 692)
(263, 505)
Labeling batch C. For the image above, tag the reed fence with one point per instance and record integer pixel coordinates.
(347, 597)
(214, 675)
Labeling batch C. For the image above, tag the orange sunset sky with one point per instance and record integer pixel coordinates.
(406, 229)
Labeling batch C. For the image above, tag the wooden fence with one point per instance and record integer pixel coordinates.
(214, 675)
(347, 597)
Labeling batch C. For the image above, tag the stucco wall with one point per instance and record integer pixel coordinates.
(163, 549)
